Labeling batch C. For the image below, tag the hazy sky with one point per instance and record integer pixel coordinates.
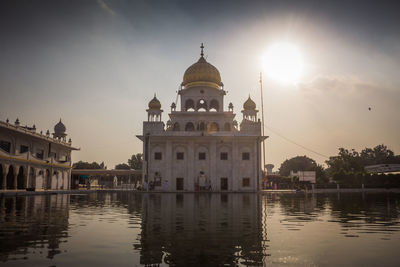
(96, 64)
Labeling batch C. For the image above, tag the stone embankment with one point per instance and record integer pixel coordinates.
(282, 191)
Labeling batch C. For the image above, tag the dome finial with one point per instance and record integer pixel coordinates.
(202, 53)
(249, 104)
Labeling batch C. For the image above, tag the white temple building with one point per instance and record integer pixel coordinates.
(202, 147)
(34, 161)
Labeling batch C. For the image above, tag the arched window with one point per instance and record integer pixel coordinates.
(10, 177)
(189, 127)
(176, 127)
(227, 127)
(189, 105)
(212, 127)
(201, 126)
(214, 105)
(201, 105)
(21, 178)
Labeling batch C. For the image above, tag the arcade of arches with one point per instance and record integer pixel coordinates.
(19, 177)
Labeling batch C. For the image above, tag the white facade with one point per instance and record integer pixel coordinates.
(202, 147)
(304, 176)
(35, 161)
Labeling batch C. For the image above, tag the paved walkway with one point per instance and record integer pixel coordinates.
(278, 191)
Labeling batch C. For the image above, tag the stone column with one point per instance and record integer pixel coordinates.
(16, 172)
(28, 172)
(69, 178)
(4, 184)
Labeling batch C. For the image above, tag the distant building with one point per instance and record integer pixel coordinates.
(202, 146)
(383, 168)
(34, 160)
(269, 168)
(304, 176)
(102, 178)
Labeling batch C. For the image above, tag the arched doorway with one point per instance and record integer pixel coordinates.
(1, 177)
(189, 127)
(32, 178)
(10, 177)
(21, 178)
(212, 127)
(189, 105)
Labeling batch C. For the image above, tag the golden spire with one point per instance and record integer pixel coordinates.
(202, 53)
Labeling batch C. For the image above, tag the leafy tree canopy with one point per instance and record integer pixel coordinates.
(86, 165)
(299, 163)
(353, 161)
(136, 161)
(122, 166)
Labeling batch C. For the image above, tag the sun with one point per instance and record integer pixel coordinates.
(283, 63)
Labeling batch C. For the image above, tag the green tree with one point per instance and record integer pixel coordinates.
(321, 176)
(86, 165)
(347, 160)
(122, 166)
(378, 155)
(299, 163)
(351, 161)
(136, 161)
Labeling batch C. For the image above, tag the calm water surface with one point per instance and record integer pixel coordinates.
(128, 229)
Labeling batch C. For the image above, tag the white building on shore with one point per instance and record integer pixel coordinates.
(202, 147)
(34, 161)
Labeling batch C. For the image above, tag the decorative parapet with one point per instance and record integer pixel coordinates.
(32, 132)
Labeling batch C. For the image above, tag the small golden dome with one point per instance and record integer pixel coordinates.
(202, 73)
(154, 103)
(249, 104)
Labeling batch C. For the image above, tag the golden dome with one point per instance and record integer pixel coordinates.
(249, 104)
(154, 103)
(202, 73)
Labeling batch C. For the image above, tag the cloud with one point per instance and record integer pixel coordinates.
(106, 7)
(340, 85)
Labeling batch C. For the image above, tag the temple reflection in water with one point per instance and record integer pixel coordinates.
(201, 229)
(35, 222)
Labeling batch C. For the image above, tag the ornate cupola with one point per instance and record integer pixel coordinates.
(155, 103)
(59, 131)
(154, 112)
(249, 110)
(202, 73)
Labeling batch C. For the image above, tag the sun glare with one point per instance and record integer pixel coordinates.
(283, 63)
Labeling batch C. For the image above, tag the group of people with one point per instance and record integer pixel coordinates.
(202, 183)
(151, 185)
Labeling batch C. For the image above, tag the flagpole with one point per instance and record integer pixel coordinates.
(262, 126)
